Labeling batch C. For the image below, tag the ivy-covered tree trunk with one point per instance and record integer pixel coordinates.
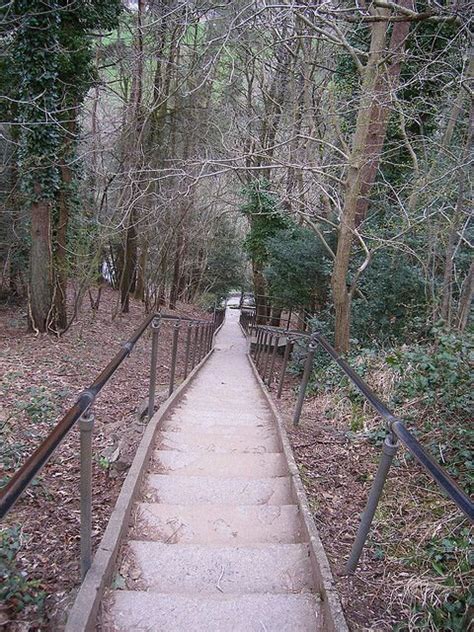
(265, 221)
(36, 66)
(51, 66)
(60, 255)
(261, 303)
(65, 202)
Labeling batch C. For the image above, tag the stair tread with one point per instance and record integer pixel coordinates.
(217, 490)
(210, 569)
(151, 612)
(198, 464)
(186, 441)
(260, 430)
(207, 420)
(219, 524)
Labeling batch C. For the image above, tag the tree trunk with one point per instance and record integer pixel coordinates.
(130, 263)
(260, 286)
(378, 86)
(174, 292)
(17, 248)
(60, 255)
(465, 300)
(41, 287)
(140, 275)
(455, 224)
(161, 291)
(132, 157)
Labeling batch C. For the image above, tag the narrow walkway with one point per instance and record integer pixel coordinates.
(216, 544)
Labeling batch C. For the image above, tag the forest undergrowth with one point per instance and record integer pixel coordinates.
(416, 570)
(41, 378)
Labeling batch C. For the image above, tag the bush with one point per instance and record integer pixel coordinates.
(439, 372)
(395, 292)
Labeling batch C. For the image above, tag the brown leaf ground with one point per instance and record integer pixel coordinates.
(336, 461)
(41, 376)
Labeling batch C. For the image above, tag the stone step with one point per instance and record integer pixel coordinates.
(229, 465)
(207, 490)
(262, 430)
(188, 441)
(235, 391)
(222, 401)
(218, 524)
(205, 569)
(224, 417)
(151, 612)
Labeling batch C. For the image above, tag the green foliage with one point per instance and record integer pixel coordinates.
(16, 590)
(50, 66)
(207, 301)
(39, 405)
(35, 65)
(452, 616)
(265, 219)
(445, 553)
(440, 372)
(394, 292)
(225, 268)
(103, 463)
(448, 557)
(297, 268)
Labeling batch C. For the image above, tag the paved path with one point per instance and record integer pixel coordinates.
(216, 543)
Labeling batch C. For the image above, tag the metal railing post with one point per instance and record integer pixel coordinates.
(204, 340)
(86, 425)
(274, 355)
(201, 343)
(258, 334)
(304, 382)
(155, 332)
(263, 344)
(265, 353)
(388, 452)
(286, 357)
(267, 356)
(195, 342)
(261, 347)
(188, 348)
(174, 353)
(256, 345)
(213, 331)
(208, 338)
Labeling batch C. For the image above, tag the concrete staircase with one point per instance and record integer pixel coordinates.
(217, 541)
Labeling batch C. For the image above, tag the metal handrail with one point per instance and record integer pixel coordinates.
(25, 475)
(80, 412)
(395, 426)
